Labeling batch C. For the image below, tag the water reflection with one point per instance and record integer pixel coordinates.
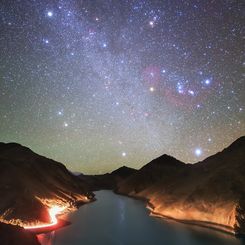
(46, 239)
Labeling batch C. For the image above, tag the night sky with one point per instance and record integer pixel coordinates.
(97, 84)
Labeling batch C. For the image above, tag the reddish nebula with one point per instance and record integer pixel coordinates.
(191, 96)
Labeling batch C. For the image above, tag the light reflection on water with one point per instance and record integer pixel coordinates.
(47, 239)
(118, 220)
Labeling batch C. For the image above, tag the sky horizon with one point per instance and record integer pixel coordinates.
(101, 84)
(130, 165)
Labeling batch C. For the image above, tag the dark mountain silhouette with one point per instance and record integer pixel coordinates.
(30, 184)
(163, 168)
(211, 192)
(123, 172)
(107, 181)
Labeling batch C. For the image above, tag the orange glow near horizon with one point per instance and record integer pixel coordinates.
(55, 210)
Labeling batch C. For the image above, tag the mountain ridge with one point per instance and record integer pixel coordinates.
(210, 191)
(36, 183)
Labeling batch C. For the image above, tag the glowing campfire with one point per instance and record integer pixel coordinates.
(53, 211)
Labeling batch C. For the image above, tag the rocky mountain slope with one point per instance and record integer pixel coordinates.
(30, 184)
(211, 192)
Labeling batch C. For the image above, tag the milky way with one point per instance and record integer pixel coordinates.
(101, 84)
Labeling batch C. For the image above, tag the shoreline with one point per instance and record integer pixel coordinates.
(204, 224)
(61, 224)
(149, 206)
(207, 225)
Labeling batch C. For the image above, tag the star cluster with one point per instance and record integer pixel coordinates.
(99, 84)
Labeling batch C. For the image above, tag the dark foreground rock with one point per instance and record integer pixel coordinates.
(14, 235)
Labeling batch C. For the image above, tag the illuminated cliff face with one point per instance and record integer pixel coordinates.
(50, 208)
(222, 213)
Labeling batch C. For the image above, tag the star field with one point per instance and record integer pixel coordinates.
(101, 84)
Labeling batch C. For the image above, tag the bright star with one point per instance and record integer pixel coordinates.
(198, 152)
(124, 154)
(152, 89)
(151, 23)
(46, 41)
(207, 81)
(66, 124)
(50, 13)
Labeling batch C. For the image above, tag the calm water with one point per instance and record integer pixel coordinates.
(118, 220)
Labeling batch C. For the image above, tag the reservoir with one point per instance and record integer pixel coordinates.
(118, 220)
